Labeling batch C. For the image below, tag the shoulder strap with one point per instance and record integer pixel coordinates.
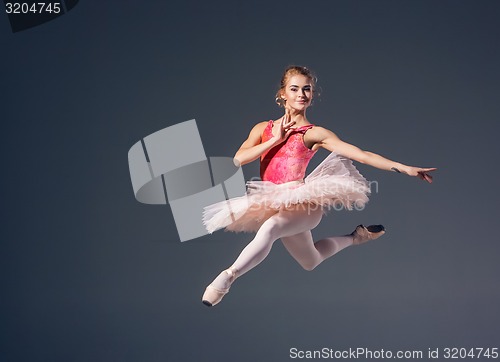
(304, 128)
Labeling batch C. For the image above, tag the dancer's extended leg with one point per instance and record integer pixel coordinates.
(285, 223)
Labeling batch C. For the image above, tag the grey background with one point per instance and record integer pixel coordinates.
(89, 274)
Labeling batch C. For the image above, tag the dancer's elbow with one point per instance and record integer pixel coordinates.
(237, 161)
(241, 159)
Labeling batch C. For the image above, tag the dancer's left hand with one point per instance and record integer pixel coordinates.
(421, 173)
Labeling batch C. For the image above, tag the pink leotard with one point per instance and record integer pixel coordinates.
(288, 160)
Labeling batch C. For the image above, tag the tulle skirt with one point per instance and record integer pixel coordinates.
(334, 183)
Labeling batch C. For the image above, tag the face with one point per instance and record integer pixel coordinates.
(298, 92)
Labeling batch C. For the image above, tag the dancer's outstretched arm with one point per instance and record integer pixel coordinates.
(329, 140)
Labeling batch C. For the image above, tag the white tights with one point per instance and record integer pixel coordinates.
(293, 226)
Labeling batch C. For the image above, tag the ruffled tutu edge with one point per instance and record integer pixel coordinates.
(334, 183)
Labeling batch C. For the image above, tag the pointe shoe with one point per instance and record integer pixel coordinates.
(363, 234)
(213, 295)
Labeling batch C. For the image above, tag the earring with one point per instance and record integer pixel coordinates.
(280, 101)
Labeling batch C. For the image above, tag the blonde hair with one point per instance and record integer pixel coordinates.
(289, 72)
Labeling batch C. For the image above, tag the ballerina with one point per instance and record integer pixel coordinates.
(285, 205)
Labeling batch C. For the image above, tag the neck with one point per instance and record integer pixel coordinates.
(298, 116)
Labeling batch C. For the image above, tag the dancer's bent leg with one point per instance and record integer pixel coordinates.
(287, 222)
(309, 254)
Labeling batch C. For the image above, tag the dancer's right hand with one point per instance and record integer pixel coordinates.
(282, 128)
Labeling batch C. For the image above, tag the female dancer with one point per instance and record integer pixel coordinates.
(284, 205)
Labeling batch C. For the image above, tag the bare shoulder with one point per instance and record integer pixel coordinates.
(258, 129)
(316, 137)
(260, 126)
(318, 133)
(254, 137)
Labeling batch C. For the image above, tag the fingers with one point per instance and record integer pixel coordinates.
(286, 123)
(286, 117)
(424, 176)
(422, 173)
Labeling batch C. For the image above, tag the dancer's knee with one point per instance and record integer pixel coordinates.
(308, 266)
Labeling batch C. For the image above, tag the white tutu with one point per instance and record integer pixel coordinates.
(334, 183)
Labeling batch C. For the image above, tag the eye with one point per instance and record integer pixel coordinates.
(293, 89)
